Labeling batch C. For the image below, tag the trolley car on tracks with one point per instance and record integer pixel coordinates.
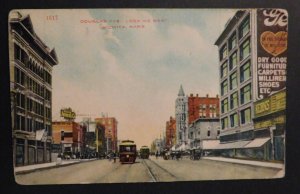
(127, 151)
(144, 152)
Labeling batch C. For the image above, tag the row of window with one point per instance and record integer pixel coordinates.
(243, 29)
(208, 134)
(245, 96)
(32, 105)
(28, 124)
(22, 56)
(245, 117)
(244, 53)
(33, 86)
(245, 74)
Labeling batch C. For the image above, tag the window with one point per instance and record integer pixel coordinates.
(246, 94)
(232, 61)
(234, 100)
(224, 105)
(223, 53)
(224, 88)
(19, 76)
(245, 72)
(233, 81)
(232, 42)
(246, 116)
(208, 133)
(218, 132)
(224, 70)
(244, 28)
(234, 120)
(245, 50)
(224, 122)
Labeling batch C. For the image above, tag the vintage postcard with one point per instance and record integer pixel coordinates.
(147, 95)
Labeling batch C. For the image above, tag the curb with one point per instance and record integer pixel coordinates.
(49, 167)
(255, 165)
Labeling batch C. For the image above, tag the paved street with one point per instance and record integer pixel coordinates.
(152, 170)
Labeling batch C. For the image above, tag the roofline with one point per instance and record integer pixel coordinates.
(229, 26)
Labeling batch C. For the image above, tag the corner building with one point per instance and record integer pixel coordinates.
(240, 46)
(31, 63)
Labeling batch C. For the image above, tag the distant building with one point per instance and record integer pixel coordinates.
(111, 132)
(70, 135)
(170, 133)
(203, 129)
(181, 116)
(203, 107)
(31, 64)
(101, 144)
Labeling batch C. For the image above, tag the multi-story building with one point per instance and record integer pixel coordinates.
(70, 135)
(203, 129)
(202, 107)
(111, 132)
(181, 112)
(31, 63)
(101, 146)
(170, 133)
(252, 67)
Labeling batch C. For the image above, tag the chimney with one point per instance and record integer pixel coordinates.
(206, 95)
(217, 96)
(191, 95)
(197, 95)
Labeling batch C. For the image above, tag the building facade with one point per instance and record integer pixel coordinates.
(69, 135)
(252, 68)
(202, 107)
(111, 132)
(31, 63)
(170, 133)
(203, 129)
(181, 112)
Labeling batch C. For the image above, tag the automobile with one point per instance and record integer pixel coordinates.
(67, 155)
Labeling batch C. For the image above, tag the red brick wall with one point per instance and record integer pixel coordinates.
(194, 104)
(170, 131)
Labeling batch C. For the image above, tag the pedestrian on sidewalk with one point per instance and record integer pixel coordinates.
(156, 154)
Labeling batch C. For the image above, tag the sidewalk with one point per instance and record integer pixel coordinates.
(36, 167)
(278, 166)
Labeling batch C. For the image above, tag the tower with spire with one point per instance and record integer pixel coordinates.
(181, 112)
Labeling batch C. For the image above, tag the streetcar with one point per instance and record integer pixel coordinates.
(144, 152)
(127, 151)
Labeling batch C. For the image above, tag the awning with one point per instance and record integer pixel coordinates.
(232, 145)
(209, 144)
(256, 143)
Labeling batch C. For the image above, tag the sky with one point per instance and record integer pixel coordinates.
(132, 74)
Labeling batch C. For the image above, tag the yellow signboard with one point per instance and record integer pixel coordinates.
(67, 113)
(274, 103)
(270, 122)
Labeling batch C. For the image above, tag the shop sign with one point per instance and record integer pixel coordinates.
(274, 103)
(271, 50)
(68, 114)
(270, 122)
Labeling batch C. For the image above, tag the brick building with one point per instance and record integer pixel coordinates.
(202, 107)
(170, 132)
(69, 135)
(111, 132)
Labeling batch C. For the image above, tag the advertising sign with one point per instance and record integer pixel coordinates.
(271, 50)
(67, 113)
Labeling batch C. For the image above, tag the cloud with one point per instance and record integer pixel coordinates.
(132, 74)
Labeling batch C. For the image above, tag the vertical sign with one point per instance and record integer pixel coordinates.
(271, 50)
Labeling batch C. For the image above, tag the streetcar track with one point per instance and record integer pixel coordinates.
(149, 171)
(114, 169)
(163, 169)
(127, 173)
